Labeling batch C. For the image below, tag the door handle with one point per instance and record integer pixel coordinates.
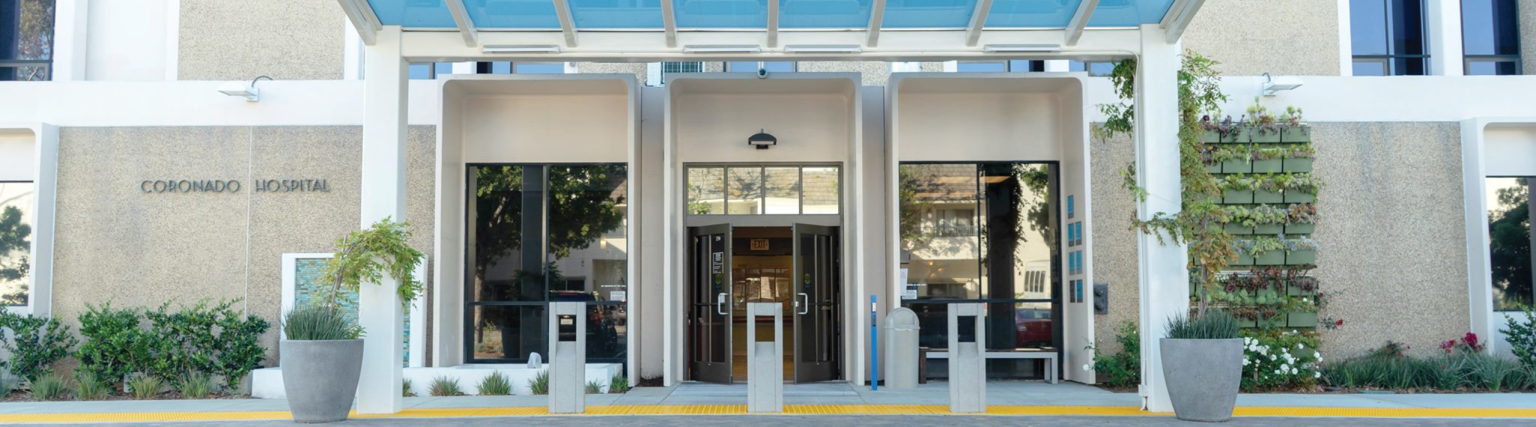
(720, 304)
(805, 308)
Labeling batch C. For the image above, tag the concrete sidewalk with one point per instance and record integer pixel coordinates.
(1004, 398)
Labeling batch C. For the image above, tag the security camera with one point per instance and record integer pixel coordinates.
(762, 73)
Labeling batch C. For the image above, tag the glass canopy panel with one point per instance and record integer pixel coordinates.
(521, 14)
(1031, 13)
(721, 13)
(1129, 13)
(832, 14)
(413, 13)
(928, 13)
(616, 14)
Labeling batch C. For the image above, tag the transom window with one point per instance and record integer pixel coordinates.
(1490, 37)
(1387, 37)
(764, 190)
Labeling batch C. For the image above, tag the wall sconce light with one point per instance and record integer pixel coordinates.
(248, 92)
(762, 140)
(1273, 85)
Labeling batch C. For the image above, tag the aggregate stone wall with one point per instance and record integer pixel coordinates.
(1249, 38)
(239, 40)
(1527, 24)
(117, 243)
(1393, 243)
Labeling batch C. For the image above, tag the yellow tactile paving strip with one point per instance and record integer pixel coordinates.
(788, 410)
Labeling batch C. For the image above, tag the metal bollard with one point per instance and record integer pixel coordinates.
(567, 357)
(765, 360)
(967, 359)
(901, 331)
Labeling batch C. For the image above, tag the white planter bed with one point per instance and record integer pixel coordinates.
(267, 383)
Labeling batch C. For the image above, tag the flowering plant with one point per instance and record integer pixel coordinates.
(1281, 361)
(1467, 344)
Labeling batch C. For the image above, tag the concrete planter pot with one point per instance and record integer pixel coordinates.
(1298, 165)
(320, 378)
(1203, 377)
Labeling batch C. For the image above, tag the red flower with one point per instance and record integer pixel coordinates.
(1339, 323)
(1471, 341)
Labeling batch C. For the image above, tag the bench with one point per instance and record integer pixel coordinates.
(1049, 355)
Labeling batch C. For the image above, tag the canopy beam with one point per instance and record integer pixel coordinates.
(773, 23)
(363, 19)
(978, 20)
(466, 25)
(1178, 18)
(876, 15)
(1079, 21)
(669, 22)
(567, 25)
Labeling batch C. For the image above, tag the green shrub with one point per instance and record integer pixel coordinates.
(1215, 324)
(1450, 374)
(36, 342)
(594, 387)
(196, 386)
(114, 344)
(49, 387)
(144, 386)
(495, 384)
(1275, 360)
(8, 383)
(89, 387)
(1521, 336)
(1492, 373)
(1121, 369)
(405, 388)
(618, 384)
(540, 383)
(317, 323)
(444, 386)
(214, 339)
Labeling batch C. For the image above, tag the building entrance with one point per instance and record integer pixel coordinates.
(797, 266)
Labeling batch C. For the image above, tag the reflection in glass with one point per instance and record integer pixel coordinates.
(1509, 241)
(783, 192)
(706, 190)
(16, 200)
(938, 206)
(509, 331)
(607, 332)
(744, 185)
(822, 190)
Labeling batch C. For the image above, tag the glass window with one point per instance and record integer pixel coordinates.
(822, 190)
(983, 232)
(752, 67)
(1509, 241)
(1388, 35)
(706, 190)
(26, 40)
(1490, 37)
(541, 233)
(16, 199)
(744, 185)
(981, 67)
(539, 67)
(783, 190)
(1096, 68)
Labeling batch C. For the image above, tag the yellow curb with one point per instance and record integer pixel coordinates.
(788, 410)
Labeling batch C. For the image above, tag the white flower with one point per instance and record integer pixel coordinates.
(1272, 358)
(1264, 350)
(1285, 367)
(1301, 346)
(1277, 372)
(1245, 362)
(1318, 356)
(1294, 371)
(1317, 375)
(1087, 367)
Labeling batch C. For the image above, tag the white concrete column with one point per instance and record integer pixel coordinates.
(69, 40)
(1442, 21)
(383, 195)
(1162, 273)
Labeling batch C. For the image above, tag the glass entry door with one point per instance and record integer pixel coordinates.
(816, 317)
(710, 301)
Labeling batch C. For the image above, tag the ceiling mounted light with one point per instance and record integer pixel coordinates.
(521, 49)
(762, 140)
(1017, 48)
(1273, 85)
(722, 48)
(248, 92)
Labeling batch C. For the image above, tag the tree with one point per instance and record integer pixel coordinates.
(14, 250)
(1509, 241)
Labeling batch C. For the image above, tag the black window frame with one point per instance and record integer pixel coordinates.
(1391, 58)
(1469, 59)
(11, 65)
(469, 303)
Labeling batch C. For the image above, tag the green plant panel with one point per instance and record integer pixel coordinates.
(1296, 134)
(1270, 258)
(1210, 137)
(1298, 165)
(1301, 257)
(1236, 166)
(1299, 228)
(1262, 196)
(1268, 229)
(1268, 166)
(1247, 323)
(1238, 229)
(1302, 320)
(1237, 196)
(1261, 137)
(1299, 197)
(1243, 259)
(1213, 167)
